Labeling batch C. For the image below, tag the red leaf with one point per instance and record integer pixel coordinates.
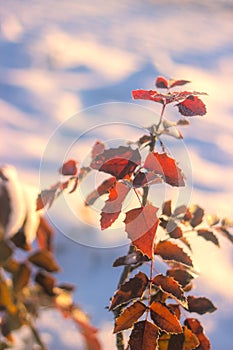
(151, 95)
(192, 106)
(170, 251)
(172, 228)
(164, 318)
(144, 336)
(132, 289)
(173, 83)
(101, 189)
(145, 179)
(69, 168)
(98, 148)
(197, 329)
(118, 162)
(186, 340)
(163, 165)
(141, 226)
(161, 83)
(200, 305)
(113, 205)
(170, 286)
(129, 316)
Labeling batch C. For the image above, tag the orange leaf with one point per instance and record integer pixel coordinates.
(129, 316)
(170, 251)
(183, 341)
(118, 162)
(141, 225)
(46, 281)
(132, 289)
(197, 329)
(200, 305)
(165, 166)
(44, 235)
(101, 189)
(44, 259)
(21, 277)
(170, 286)
(144, 336)
(113, 205)
(164, 318)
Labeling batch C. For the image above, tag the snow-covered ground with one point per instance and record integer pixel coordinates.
(60, 63)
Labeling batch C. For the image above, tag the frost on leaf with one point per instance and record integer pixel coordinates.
(183, 277)
(164, 318)
(141, 226)
(165, 166)
(170, 251)
(129, 316)
(192, 106)
(144, 336)
(195, 326)
(170, 286)
(118, 162)
(132, 289)
(113, 205)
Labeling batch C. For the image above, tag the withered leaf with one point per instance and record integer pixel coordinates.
(46, 281)
(130, 259)
(132, 289)
(5, 251)
(145, 179)
(181, 276)
(180, 82)
(197, 329)
(44, 235)
(141, 225)
(186, 340)
(21, 277)
(200, 305)
(113, 204)
(20, 240)
(172, 228)
(144, 336)
(225, 233)
(170, 286)
(118, 162)
(167, 208)
(129, 316)
(164, 318)
(197, 215)
(6, 301)
(44, 259)
(208, 236)
(97, 149)
(69, 168)
(165, 166)
(170, 251)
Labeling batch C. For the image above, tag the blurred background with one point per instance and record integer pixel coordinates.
(58, 58)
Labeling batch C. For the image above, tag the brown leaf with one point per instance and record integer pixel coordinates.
(132, 289)
(172, 228)
(197, 215)
(170, 286)
(130, 259)
(225, 233)
(5, 251)
(141, 226)
(208, 236)
(21, 277)
(165, 166)
(200, 305)
(46, 281)
(101, 189)
(186, 340)
(20, 240)
(6, 301)
(180, 82)
(197, 329)
(144, 336)
(45, 260)
(161, 83)
(181, 276)
(11, 265)
(175, 308)
(170, 251)
(118, 162)
(44, 235)
(167, 208)
(144, 179)
(113, 204)
(164, 318)
(129, 316)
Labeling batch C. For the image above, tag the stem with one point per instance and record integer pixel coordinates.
(161, 117)
(36, 335)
